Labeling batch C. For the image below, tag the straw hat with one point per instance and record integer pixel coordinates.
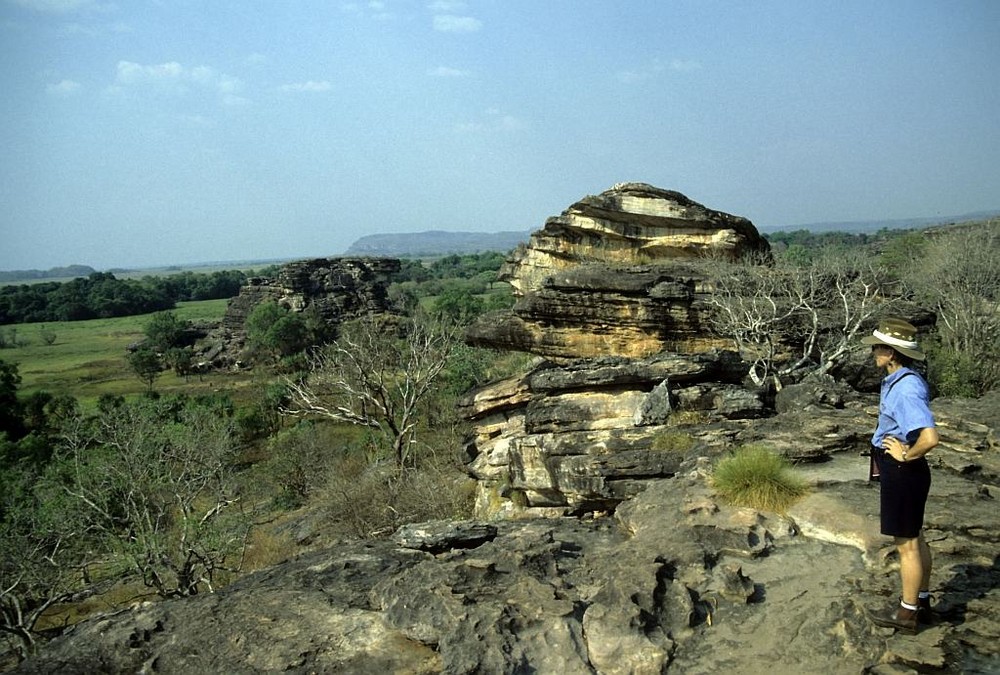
(897, 334)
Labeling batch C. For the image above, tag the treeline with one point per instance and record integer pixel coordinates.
(101, 295)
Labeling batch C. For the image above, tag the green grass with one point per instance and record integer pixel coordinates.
(756, 477)
(87, 358)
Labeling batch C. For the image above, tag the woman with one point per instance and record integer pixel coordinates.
(904, 435)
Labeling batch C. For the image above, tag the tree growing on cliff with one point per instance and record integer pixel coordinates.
(378, 374)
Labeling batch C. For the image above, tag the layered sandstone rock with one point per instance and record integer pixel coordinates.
(611, 296)
(612, 276)
(631, 222)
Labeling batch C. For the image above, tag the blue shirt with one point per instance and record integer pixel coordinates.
(904, 407)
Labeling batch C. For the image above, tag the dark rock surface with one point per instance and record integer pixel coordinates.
(672, 581)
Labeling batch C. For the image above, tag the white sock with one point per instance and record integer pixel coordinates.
(904, 605)
(923, 595)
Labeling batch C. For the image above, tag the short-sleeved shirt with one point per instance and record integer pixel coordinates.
(904, 407)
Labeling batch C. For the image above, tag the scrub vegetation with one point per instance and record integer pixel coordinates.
(756, 477)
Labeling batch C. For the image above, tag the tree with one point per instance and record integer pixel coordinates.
(378, 374)
(785, 316)
(145, 364)
(164, 331)
(275, 330)
(155, 484)
(11, 418)
(959, 276)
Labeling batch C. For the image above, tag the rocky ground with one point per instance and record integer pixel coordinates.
(673, 581)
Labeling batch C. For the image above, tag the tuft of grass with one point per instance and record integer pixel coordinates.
(756, 477)
(672, 441)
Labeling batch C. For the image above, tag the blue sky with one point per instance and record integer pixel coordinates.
(152, 132)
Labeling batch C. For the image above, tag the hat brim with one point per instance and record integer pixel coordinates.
(914, 354)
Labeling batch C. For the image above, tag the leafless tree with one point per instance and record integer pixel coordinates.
(786, 317)
(377, 375)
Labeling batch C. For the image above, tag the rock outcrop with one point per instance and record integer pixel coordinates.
(607, 277)
(334, 289)
(610, 295)
(628, 223)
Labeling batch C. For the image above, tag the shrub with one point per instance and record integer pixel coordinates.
(756, 477)
(369, 500)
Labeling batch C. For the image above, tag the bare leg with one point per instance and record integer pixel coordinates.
(911, 567)
(925, 562)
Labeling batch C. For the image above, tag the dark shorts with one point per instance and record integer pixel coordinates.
(904, 488)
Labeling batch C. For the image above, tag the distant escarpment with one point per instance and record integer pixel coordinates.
(334, 289)
(610, 296)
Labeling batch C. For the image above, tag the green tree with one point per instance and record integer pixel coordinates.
(11, 414)
(145, 364)
(275, 330)
(165, 331)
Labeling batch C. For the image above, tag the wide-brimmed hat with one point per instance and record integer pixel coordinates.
(898, 334)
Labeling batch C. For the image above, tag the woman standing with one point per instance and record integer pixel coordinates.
(904, 435)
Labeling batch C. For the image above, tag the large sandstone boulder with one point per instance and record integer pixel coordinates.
(612, 276)
(611, 295)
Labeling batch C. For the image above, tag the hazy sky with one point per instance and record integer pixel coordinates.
(149, 132)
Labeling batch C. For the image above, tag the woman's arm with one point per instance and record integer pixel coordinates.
(925, 442)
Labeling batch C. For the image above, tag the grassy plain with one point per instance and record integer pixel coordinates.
(87, 358)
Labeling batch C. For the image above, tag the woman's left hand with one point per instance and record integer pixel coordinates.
(895, 447)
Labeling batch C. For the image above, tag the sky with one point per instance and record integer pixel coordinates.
(140, 133)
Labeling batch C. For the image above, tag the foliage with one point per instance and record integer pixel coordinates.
(145, 364)
(102, 295)
(756, 477)
(673, 441)
(275, 330)
(368, 500)
(378, 374)
(11, 421)
(959, 276)
(153, 480)
(300, 458)
(165, 331)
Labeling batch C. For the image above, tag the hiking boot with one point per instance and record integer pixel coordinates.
(925, 615)
(899, 618)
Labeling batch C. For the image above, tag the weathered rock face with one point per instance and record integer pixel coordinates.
(610, 294)
(336, 289)
(608, 277)
(586, 435)
(629, 223)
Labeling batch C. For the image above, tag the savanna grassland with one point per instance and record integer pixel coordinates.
(86, 359)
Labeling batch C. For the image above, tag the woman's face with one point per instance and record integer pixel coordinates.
(883, 355)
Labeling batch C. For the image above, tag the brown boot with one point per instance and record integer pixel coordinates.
(897, 617)
(925, 615)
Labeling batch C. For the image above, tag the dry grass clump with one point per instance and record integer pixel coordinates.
(756, 477)
(672, 441)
